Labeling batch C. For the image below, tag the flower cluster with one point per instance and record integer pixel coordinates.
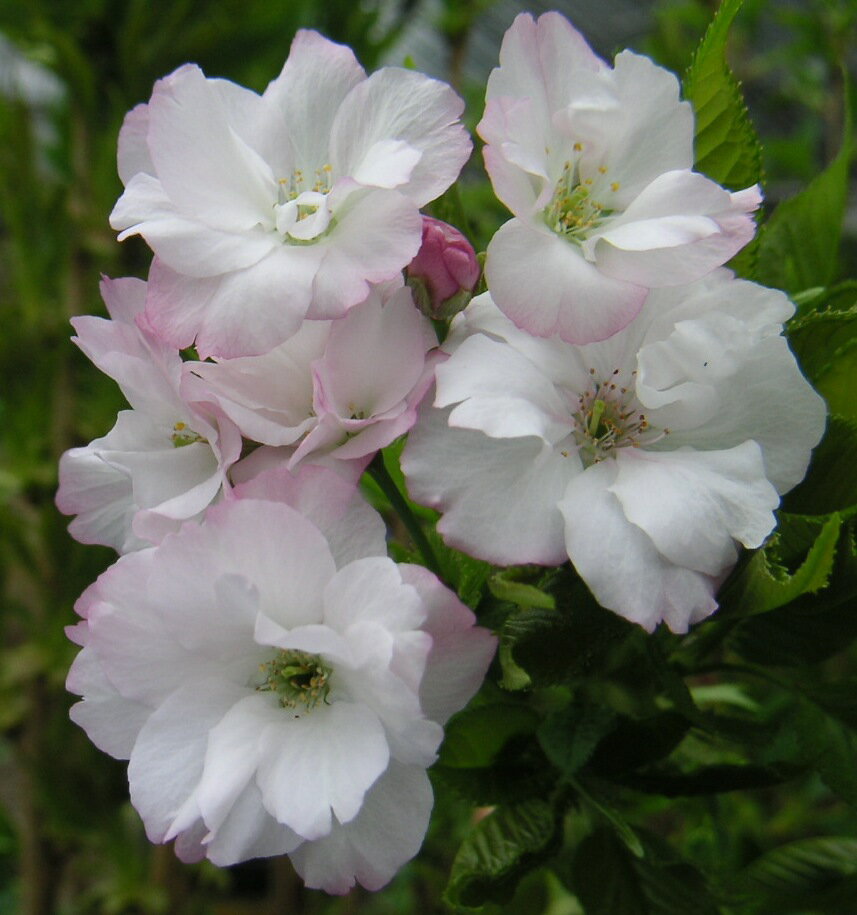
(617, 399)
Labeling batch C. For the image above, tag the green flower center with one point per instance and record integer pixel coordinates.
(183, 435)
(608, 417)
(299, 679)
(578, 203)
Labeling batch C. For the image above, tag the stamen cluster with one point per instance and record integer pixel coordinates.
(298, 678)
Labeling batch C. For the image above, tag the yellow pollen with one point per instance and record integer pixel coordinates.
(615, 186)
(602, 169)
(578, 147)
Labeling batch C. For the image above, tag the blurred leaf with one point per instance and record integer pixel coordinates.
(635, 743)
(569, 736)
(829, 746)
(799, 245)
(810, 874)
(597, 794)
(475, 736)
(500, 850)
(610, 881)
(831, 484)
(516, 592)
(727, 148)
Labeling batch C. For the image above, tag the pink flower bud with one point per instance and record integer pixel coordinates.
(444, 272)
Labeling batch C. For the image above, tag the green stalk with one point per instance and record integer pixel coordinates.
(388, 486)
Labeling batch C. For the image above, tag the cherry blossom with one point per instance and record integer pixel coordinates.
(595, 164)
(275, 691)
(646, 459)
(166, 459)
(264, 210)
(342, 388)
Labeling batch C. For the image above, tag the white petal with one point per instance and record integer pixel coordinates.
(386, 833)
(321, 764)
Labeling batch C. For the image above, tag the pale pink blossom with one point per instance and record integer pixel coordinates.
(444, 273)
(265, 210)
(276, 691)
(166, 459)
(595, 164)
(341, 388)
(647, 459)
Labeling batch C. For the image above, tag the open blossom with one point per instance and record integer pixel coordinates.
(342, 388)
(264, 210)
(646, 458)
(277, 690)
(166, 459)
(595, 164)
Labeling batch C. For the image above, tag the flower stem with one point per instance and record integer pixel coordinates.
(387, 485)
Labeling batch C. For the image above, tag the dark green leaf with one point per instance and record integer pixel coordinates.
(599, 795)
(500, 850)
(475, 736)
(570, 735)
(799, 245)
(636, 743)
(810, 874)
(831, 484)
(829, 746)
(727, 148)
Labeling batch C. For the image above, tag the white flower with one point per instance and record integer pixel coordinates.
(165, 460)
(264, 210)
(594, 162)
(645, 458)
(277, 690)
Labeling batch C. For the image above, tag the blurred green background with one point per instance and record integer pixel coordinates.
(69, 841)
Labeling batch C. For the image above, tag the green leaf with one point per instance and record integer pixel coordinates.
(559, 646)
(819, 336)
(831, 484)
(597, 794)
(765, 584)
(829, 747)
(500, 850)
(635, 743)
(475, 736)
(516, 592)
(569, 736)
(726, 145)
(799, 245)
(810, 874)
(608, 880)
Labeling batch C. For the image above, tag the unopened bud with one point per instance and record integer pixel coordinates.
(445, 271)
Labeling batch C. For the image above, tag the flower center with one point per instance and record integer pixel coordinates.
(183, 435)
(301, 212)
(578, 203)
(608, 417)
(298, 678)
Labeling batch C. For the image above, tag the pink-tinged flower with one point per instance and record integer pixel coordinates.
(264, 210)
(166, 459)
(341, 388)
(646, 458)
(275, 691)
(445, 271)
(595, 164)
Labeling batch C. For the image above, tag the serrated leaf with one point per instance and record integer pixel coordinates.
(764, 584)
(819, 337)
(831, 484)
(798, 247)
(808, 874)
(727, 148)
(499, 851)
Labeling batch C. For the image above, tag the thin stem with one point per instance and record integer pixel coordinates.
(388, 486)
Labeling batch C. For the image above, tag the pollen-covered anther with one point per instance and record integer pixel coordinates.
(607, 418)
(183, 435)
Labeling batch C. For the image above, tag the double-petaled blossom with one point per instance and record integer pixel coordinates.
(264, 210)
(166, 459)
(595, 164)
(341, 388)
(646, 458)
(277, 684)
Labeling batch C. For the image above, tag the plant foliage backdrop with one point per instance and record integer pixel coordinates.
(600, 770)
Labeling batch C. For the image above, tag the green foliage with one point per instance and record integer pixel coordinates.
(727, 147)
(500, 849)
(798, 246)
